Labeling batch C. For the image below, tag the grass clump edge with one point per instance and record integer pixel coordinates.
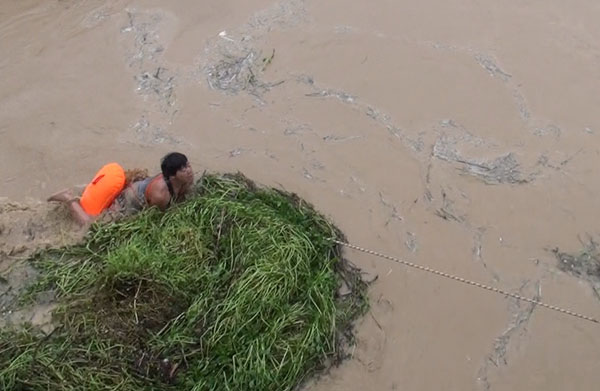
(238, 288)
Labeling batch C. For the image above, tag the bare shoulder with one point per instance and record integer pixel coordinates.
(158, 194)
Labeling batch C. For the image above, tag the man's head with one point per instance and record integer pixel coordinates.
(175, 165)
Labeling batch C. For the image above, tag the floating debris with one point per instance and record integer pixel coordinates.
(503, 169)
(584, 265)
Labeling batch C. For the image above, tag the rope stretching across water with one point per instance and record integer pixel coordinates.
(468, 282)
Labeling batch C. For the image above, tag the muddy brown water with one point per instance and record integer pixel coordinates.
(457, 134)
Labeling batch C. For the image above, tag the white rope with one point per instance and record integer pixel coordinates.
(468, 282)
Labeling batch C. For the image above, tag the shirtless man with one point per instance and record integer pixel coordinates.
(109, 190)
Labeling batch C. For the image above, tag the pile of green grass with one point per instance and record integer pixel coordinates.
(236, 289)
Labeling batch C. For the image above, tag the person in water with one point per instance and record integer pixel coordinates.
(115, 190)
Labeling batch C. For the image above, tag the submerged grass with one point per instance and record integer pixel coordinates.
(235, 289)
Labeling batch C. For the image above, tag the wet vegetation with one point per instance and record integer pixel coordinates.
(238, 288)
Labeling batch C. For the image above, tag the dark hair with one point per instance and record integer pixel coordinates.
(172, 163)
